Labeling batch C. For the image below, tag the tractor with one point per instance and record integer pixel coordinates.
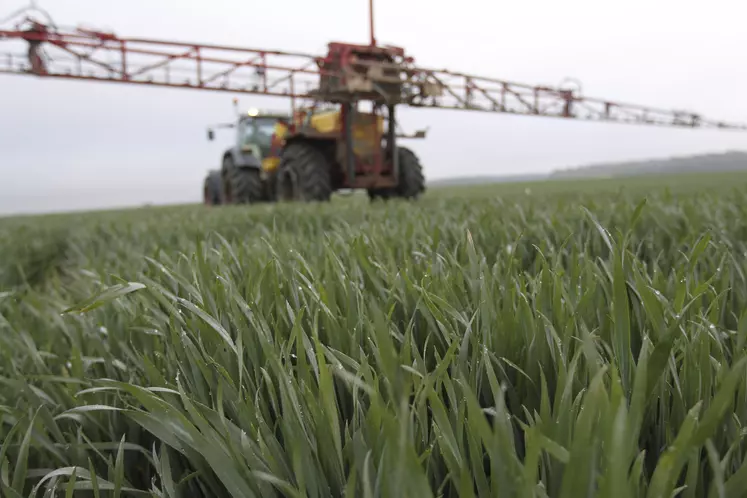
(333, 144)
(248, 168)
(278, 157)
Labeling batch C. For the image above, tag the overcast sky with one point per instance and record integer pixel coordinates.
(72, 145)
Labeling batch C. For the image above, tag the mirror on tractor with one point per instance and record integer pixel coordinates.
(211, 134)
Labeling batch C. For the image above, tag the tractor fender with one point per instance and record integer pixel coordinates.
(325, 141)
(309, 136)
(241, 159)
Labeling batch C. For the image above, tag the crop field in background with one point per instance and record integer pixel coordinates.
(566, 339)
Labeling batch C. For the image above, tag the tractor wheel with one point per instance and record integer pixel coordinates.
(411, 180)
(303, 174)
(241, 185)
(212, 193)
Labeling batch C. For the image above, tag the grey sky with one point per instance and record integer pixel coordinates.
(73, 145)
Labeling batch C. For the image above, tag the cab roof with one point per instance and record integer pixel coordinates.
(258, 113)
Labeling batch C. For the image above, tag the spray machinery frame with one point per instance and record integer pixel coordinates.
(361, 146)
(352, 75)
(370, 171)
(88, 55)
(378, 161)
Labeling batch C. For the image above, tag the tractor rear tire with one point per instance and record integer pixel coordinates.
(304, 174)
(411, 180)
(212, 191)
(379, 193)
(242, 185)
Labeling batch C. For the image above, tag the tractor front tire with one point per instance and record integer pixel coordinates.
(212, 191)
(411, 180)
(304, 174)
(242, 185)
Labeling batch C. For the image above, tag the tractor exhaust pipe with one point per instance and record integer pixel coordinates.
(371, 21)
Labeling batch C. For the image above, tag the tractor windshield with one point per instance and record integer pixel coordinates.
(259, 131)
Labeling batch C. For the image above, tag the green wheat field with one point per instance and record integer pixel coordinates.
(560, 339)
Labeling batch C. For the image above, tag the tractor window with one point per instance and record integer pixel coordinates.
(259, 131)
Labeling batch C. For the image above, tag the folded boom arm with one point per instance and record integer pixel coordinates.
(80, 54)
